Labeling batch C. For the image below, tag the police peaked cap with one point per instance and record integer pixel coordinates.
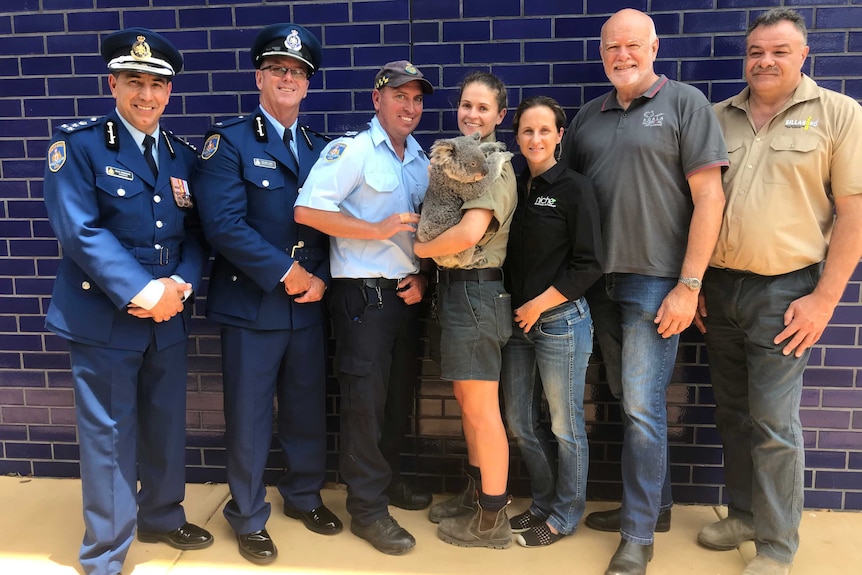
(141, 50)
(287, 39)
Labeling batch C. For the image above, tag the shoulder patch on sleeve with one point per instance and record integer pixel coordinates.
(335, 152)
(57, 156)
(210, 147)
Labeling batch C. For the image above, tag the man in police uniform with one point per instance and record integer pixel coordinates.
(266, 288)
(117, 195)
(364, 192)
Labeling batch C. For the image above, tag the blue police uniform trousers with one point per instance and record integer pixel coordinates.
(131, 410)
(290, 365)
(368, 338)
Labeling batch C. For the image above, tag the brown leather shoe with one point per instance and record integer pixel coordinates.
(187, 536)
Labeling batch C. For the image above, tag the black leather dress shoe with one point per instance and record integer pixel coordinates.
(404, 495)
(188, 536)
(257, 547)
(320, 520)
(630, 559)
(386, 535)
(610, 520)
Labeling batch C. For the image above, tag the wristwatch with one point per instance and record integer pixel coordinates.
(691, 283)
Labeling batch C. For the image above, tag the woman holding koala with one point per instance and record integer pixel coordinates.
(554, 255)
(475, 316)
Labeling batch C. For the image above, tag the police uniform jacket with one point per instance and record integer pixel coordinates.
(249, 183)
(120, 227)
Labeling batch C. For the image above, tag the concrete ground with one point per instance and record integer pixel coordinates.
(41, 528)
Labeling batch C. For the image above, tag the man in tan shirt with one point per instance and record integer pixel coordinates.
(789, 242)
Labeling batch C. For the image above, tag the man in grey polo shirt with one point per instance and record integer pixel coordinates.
(654, 150)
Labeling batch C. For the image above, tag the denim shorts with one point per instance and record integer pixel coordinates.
(475, 323)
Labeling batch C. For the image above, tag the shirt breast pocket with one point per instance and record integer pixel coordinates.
(120, 203)
(267, 197)
(792, 155)
(384, 182)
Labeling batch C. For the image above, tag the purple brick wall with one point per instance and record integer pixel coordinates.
(50, 73)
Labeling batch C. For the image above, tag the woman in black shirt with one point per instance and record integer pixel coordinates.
(554, 255)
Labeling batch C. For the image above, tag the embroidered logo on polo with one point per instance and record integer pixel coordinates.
(653, 120)
(803, 124)
(546, 202)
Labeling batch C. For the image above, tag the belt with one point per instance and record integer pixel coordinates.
(382, 283)
(478, 275)
(302, 254)
(156, 257)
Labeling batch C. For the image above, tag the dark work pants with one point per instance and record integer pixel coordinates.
(373, 343)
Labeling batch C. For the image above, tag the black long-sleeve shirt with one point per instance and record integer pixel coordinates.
(555, 238)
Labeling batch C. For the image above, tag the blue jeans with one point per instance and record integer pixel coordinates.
(757, 395)
(639, 364)
(552, 357)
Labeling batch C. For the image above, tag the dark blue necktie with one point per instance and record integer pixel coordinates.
(288, 136)
(149, 141)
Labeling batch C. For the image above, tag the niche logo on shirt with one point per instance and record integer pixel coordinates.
(653, 120)
(546, 202)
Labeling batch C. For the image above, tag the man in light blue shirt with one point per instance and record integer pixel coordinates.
(365, 192)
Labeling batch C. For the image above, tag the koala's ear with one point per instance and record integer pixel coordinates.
(476, 136)
(442, 147)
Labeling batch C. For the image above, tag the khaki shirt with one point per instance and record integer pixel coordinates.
(782, 179)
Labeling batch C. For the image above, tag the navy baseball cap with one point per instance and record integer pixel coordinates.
(288, 39)
(400, 72)
(141, 50)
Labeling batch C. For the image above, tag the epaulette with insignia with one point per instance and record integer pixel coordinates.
(78, 125)
(183, 141)
(229, 122)
(354, 133)
(318, 134)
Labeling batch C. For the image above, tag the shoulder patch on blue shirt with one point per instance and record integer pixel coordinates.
(335, 151)
(210, 147)
(56, 156)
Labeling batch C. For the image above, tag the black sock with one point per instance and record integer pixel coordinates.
(493, 502)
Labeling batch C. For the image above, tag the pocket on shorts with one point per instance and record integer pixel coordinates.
(503, 313)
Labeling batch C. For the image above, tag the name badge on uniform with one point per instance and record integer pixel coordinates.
(118, 173)
(261, 163)
(182, 196)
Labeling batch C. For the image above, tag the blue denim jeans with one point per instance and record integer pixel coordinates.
(552, 357)
(639, 364)
(757, 395)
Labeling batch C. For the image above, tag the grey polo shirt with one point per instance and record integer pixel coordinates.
(639, 160)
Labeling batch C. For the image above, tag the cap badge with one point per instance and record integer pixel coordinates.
(411, 69)
(140, 49)
(293, 42)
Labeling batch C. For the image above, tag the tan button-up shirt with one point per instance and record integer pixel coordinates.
(782, 179)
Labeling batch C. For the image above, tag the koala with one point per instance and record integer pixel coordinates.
(462, 169)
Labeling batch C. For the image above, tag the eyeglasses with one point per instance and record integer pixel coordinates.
(281, 72)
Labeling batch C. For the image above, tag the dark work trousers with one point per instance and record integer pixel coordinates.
(376, 336)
